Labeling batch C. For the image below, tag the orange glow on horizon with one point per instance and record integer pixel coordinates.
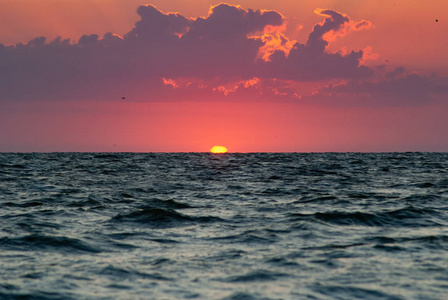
(218, 149)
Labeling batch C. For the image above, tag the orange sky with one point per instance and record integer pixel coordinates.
(404, 36)
(182, 127)
(404, 29)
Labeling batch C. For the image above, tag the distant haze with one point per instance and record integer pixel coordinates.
(253, 76)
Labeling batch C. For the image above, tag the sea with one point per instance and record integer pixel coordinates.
(237, 226)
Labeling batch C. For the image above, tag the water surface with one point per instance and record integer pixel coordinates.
(232, 226)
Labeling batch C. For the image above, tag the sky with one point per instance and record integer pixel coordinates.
(250, 75)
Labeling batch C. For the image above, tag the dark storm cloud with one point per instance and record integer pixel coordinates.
(398, 88)
(227, 21)
(311, 62)
(333, 22)
(160, 45)
(155, 25)
(216, 55)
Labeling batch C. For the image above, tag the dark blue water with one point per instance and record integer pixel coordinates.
(233, 226)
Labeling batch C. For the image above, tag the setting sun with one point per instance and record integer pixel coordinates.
(218, 149)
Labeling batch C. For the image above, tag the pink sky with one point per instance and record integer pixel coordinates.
(249, 75)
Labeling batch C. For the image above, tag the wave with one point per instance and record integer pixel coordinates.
(249, 237)
(432, 242)
(405, 217)
(254, 276)
(353, 292)
(38, 295)
(123, 273)
(160, 217)
(40, 242)
(238, 226)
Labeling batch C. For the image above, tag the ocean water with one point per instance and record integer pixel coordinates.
(232, 226)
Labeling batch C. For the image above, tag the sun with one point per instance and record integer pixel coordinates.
(218, 149)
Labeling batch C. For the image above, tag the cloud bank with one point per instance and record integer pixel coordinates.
(232, 53)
